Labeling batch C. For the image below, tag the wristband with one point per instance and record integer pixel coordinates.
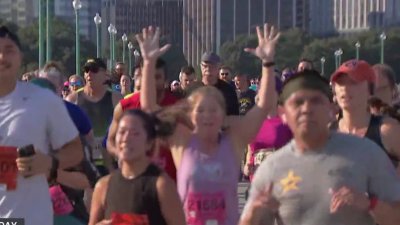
(55, 163)
(268, 64)
(373, 202)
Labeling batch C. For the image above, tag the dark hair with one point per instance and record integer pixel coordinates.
(119, 63)
(226, 68)
(6, 33)
(152, 124)
(188, 69)
(384, 108)
(387, 72)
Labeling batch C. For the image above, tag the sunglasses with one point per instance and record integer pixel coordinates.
(77, 83)
(224, 74)
(91, 69)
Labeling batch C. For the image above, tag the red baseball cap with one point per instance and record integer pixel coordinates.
(357, 70)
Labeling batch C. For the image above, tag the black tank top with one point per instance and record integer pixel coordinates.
(100, 113)
(374, 134)
(137, 196)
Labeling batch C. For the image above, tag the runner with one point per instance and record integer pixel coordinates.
(30, 115)
(273, 134)
(139, 192)
(161, 153)
(208, 159)
(98, 103)
(353, 84)
(321, 177)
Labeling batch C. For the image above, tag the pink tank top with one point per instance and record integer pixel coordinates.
(207, 184)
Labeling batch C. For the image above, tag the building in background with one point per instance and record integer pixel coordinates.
(19, 12)
(358, 15)
(207, 24)
(130, 16)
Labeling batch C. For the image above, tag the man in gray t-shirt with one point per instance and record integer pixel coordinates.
(321, 178)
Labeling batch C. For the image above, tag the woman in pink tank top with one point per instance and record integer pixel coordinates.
(207, 157)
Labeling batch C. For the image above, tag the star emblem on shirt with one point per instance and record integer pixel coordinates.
(290, 182)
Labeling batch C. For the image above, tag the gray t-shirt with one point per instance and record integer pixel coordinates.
(302, 182)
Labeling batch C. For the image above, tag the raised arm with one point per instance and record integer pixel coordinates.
(151, 51)
(245, 128)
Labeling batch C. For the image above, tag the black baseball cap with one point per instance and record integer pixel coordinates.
(210, 57)
(94, 64)
(6, 33)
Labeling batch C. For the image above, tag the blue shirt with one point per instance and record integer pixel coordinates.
(80, 119)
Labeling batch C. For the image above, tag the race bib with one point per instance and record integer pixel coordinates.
(8, 167)
(61, 203)
(98, 147)
(129, 219)
(205, 209)
(261, 155)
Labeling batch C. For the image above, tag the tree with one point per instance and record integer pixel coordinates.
(63, 48)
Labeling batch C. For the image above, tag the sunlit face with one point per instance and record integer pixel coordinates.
(131, 138)
(210, 73)
(120, 69)
(95, 77)
(383, 90)
(10, 59)
(349, 93)
(307, 112)
(187, 80)
(125, 82)
(75, 84)
(207, 115)
(225, 75)
(241, 82)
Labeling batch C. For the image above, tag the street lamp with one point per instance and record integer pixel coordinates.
(77, 6)
(358, 45)
(340, 53)
(41, 35)
(323, 65)
(112, 31)
(124, 40)
(383, 38)
(136, 53)
(97, 21)
(130, 47)
(48, 31)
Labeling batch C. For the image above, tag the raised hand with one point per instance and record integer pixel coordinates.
(267, 40)
(149, 43)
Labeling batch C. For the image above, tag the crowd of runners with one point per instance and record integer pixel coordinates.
(107, 147)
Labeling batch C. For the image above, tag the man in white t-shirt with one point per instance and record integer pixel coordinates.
(30, 115)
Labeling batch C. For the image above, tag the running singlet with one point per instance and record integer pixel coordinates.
(207, 184)
(134, 201)
(99, 113)
(164, 159)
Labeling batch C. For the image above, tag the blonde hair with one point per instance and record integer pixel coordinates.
(206, 91)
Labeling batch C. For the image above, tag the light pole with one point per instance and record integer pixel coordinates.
(124, 40)
(323, 65)
(114, 31)
(340, 53)
(383, 38)
(358, 45)
(48, 31)
(97, 21)
(41, 38)
(337, 59)
(111, 31)
(136, 53)
(130, 47)
(77, 6)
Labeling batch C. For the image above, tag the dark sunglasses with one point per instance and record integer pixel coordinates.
(224, 74)
(91, 69)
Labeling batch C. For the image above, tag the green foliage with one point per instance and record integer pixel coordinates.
(295, 44)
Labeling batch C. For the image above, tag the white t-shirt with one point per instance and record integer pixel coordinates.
(32, 115)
